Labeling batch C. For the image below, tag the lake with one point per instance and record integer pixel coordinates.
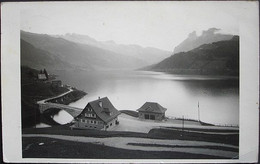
(218, 96)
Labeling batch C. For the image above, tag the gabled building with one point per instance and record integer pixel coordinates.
(151, 111)
(42, 76)
(99, 114)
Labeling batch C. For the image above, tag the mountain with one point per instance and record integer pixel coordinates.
(43, 49)
(194, 41)
(38, 59)
(218, 58)
(148, 55)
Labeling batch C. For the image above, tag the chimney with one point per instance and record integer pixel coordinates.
(99, 102)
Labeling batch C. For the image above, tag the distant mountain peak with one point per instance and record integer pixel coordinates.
(110, 42)
(192, 35)
(207, 36)
(210, 31)
(148, 55)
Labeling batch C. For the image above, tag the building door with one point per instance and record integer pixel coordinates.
(152, 117)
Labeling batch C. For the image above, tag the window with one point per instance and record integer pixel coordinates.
(89, 109)
(146, 116)
(94, 122)
(110, 124)
(91, 115)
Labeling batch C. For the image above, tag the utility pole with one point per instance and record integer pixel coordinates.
(182, 123)
(198, 111)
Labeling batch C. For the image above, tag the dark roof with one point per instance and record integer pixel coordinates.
(106, 112)
(152, 107)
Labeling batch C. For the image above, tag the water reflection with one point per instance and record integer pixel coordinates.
(62, 117)
(129, 90)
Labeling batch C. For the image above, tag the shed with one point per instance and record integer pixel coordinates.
(151, 111)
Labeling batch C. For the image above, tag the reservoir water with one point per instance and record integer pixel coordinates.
(218, 96)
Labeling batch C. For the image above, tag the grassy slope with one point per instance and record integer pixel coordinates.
(155, 133)
(232, 139)
(54, 148)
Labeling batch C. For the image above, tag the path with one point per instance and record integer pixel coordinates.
(44, 101)
(164, 145)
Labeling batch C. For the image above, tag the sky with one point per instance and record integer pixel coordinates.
(158, 24)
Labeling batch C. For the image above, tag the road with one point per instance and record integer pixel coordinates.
(131, 143)
(44, 101)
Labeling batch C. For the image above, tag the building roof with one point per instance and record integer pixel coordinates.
(152, 107)
(105, 111)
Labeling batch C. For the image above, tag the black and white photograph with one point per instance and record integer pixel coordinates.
(150, 80)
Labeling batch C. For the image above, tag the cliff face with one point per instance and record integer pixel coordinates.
(218, 58)
(194, 41)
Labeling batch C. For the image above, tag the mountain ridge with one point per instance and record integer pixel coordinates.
(133, 50)
(207, 36)
(80, 55)
(217, 58)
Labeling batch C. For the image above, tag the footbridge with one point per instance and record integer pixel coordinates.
(73, 111)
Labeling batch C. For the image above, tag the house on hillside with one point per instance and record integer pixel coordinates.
(151, 111)
(42, 76)
(99, 114)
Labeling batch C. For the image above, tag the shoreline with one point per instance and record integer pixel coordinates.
(175, 72)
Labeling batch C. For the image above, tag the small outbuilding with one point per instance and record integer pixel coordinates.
(151, 111)
(42, 76)
(99, 114)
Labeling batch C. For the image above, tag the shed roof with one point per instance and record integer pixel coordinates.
(106, 111)
(152, 107)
